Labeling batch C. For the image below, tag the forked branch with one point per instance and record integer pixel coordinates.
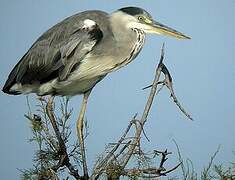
(115, 162)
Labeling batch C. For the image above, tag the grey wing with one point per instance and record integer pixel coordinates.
(57, 52)
(76, 49)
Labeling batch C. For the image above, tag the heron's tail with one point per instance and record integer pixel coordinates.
(11, 80)
(8, 85)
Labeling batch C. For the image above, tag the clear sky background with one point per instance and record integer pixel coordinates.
(203, 71)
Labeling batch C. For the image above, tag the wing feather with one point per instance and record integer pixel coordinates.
(57, 51)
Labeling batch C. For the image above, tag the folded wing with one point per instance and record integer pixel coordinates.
(57, 52)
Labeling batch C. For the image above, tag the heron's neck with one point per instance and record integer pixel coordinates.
(129, 41)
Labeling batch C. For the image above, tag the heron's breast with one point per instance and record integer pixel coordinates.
(92, 66)
(95, 65)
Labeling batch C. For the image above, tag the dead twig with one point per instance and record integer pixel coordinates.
(103, 164)
(169, 84)
(152, 172)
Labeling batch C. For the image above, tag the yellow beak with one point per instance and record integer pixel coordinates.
(159, 28)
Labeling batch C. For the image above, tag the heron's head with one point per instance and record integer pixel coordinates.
(137, 18)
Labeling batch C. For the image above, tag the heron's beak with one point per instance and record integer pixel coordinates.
(159, 28)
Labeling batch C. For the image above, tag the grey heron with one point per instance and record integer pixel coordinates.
(74, 55)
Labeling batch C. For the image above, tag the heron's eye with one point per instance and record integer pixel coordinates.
(140, 18)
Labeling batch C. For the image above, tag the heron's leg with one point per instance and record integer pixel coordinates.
(50, 113)
(80, 123)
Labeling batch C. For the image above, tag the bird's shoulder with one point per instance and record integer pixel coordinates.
(64, 29)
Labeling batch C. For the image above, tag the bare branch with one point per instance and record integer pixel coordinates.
(151, 172)
(169, 84)
(146, 110)
(101, 166)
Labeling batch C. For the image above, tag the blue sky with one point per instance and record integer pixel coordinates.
(203, 71)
